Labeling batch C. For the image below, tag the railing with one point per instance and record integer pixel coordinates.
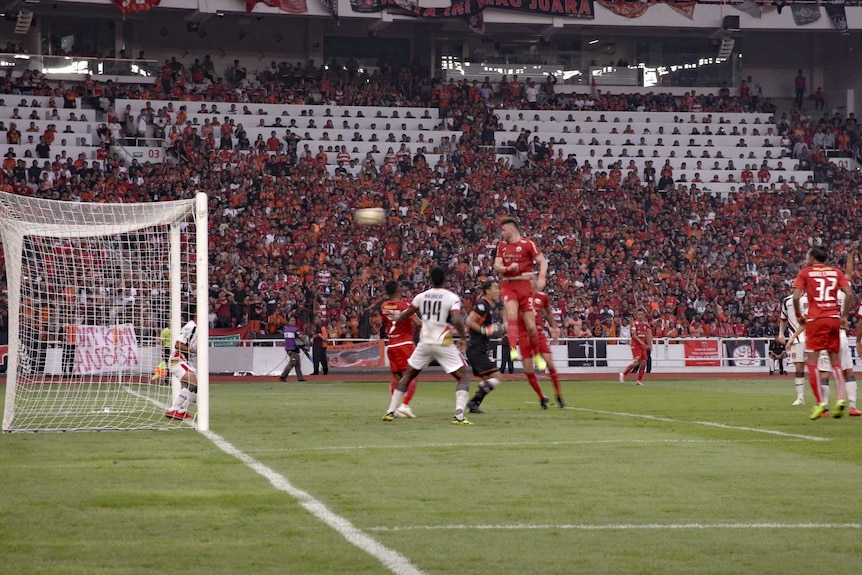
(57, 65)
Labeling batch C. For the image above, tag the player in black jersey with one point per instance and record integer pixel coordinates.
(482, 328)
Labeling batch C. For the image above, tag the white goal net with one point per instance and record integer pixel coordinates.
(97, 294)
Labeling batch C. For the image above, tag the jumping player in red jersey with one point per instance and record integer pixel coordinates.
(542, 306)
(641, 346)
(400, 344)
(515, 259)
(823, 322)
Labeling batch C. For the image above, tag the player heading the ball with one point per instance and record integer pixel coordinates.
(516, 260)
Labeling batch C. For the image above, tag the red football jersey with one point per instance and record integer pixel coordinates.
(821, 283)
(643, 330)
(540, 301)
(403, 332)
(522, 252)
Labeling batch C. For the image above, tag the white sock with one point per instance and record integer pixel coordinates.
(824, 389)
(850, 385)
(461, 397)
(395, 400)
(181, 400)
(799, 382)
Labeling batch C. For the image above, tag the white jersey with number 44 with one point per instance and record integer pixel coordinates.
(433, 307)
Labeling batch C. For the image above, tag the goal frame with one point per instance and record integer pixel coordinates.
(13, 242)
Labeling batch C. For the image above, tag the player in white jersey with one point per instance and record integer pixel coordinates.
(180, 367)
(788, 322)
(440, 312)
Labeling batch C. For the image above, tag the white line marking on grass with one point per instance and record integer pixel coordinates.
(511, 444)
(705, 423)
(621, 526)
(394, 561)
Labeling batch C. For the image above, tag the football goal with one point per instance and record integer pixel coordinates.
(97, 294)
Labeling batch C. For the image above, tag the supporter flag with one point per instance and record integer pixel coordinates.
(750, 7)
(839, 18)
(331, 6)
(805, 13)
(638, 9)
(476, 23)
(291, 6)
(745, 352)
(131, 6)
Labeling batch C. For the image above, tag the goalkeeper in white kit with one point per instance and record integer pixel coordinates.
(180, 367)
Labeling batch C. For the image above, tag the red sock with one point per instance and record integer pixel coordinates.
(512, 333)
(840, 382)
(534, 383)
(641, 371)
(814, 380)
(555, 379)
(630, 368)
(392, 385)
(411, 389)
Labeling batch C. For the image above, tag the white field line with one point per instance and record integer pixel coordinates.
(704, 423)
(394, 561)
(619, 526)
(511, 444)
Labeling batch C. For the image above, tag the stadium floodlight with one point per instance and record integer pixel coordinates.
(91, 289)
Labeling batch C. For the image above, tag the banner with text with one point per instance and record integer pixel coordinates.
(745, 352)
(132, 6)
(365, 354)
(702, 353)
(227, 336)
(582, 9)
(629, 9)
(107, 349)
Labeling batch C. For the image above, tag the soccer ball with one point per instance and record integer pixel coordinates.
(369, 216)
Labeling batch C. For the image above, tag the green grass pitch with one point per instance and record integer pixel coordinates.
(677, 477)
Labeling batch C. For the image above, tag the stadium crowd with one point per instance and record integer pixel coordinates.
(283, 243)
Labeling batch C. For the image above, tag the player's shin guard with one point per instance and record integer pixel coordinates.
(555, 378)
(850, 385)
(799, 382)
(512, 333)
(411, 389)
(181, 400)
(395, 400)
(534, 383)
(840, 382)
(814, 380)
(462, 393)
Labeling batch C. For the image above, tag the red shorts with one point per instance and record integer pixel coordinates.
(521, 291)
(639, 353)
(823, 334)
(527, 347)
(399, 355)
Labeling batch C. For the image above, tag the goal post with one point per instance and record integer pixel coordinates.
(91, 289)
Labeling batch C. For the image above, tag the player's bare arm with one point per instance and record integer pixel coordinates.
(552, 322)
(845, 310)
(180, 346)
(782, 326)
(406, 314)
(542, 279)
(793, 337)
(473, 322)
(648, 342)
(500, 268)
(797, 295)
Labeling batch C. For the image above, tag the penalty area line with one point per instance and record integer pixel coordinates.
(618, 526)
(704, 423)
(391, 559)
